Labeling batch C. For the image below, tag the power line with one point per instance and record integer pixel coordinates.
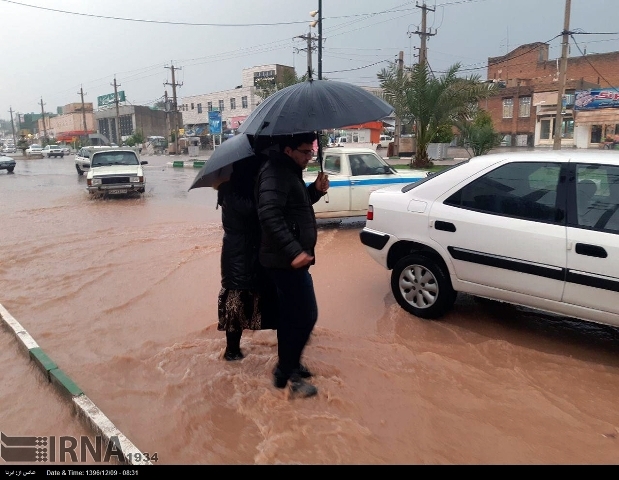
(195, 24)
(358, 68)
(589, 62)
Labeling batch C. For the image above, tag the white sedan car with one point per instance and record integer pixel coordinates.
(539, 229)
(34, 149)
(354, 173)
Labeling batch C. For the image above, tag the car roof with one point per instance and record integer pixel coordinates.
(561, 156)
(115, 149)
(349, 150)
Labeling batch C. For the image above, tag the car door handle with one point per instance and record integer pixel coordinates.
(444, 226)
(591, 250)
(354, 182)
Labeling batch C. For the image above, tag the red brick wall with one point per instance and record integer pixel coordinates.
(530, 64)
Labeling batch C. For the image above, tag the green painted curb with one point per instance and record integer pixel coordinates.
(178, 164)
(198, 164)
(41, 358)
(61, 380)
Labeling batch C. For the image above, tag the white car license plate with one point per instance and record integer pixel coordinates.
(117, 191)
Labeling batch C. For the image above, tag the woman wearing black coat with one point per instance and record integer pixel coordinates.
(247, 299)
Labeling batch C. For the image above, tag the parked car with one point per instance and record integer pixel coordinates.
(115, 171)
(34, 149)
(52, 151)
(65, 150)
(9, 148)
(539, 229)
(7, 163)
(384, 141)
(83, 155)
(353, 174)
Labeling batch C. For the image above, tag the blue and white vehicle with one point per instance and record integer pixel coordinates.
(354, 173)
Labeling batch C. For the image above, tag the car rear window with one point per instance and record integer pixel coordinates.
(430, 176)
(114, 158)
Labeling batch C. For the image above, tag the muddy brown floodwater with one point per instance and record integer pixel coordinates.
(121, 294)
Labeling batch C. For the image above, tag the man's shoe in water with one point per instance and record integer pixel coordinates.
(300, 388)
(303, 372)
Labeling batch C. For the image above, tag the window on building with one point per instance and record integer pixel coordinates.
(233, 103)
(525, 107)
(596, 133)
(221, 105)
(508, 107)
(192, 105)
(567, 128)
(244, 103)
(209, 106)
(199, 108)
(544, 133)
(617, 129)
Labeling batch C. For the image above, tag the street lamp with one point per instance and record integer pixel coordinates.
(319, 23)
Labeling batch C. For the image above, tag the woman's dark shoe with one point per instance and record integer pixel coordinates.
(279, 380)
(231, 356)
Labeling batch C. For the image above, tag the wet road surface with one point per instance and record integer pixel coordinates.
(121, 294)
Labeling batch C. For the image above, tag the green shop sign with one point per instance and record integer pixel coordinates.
(108, 99)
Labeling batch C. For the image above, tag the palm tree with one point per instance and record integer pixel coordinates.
(266, 87)
(430, 102)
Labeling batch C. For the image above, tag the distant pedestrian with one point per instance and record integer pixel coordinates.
(247, 299)
(289, 235)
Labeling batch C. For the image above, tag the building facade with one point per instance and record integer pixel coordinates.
(523, 108)
(69, 124)
(234, 104)
(132, 119)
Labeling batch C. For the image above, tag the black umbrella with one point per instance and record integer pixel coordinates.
(314, 105)
(218, 167)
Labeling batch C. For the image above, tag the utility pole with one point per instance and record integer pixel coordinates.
(319, 39)
(423, 51)
(12, 125)
(398, 121)
(174, 106)
(117, 137)
(81, 92)
(319, 23)
(43, 118)
(309, 49)
(167, 115)
(562, 75)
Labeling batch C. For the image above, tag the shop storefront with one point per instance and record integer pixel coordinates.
(597, 117)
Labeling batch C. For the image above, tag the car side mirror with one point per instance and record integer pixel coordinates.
(144, 162)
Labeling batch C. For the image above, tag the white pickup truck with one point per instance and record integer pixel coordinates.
(353, 174)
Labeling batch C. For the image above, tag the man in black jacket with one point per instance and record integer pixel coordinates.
(289, 235)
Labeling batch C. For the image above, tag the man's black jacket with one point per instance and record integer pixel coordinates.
(285, 212)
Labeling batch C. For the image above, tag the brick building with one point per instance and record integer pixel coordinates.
(68, 125)
(524, 106)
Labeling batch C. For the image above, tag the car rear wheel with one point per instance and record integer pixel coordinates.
(422, 287)
(10, 169)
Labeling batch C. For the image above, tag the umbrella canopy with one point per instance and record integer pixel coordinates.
(314, 105)
(218, 167)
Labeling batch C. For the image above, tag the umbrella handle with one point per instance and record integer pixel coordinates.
(322, 170)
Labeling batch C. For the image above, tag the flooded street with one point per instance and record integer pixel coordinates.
(122, 295)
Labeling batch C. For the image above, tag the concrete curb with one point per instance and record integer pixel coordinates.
(86, 409)
(191, 164)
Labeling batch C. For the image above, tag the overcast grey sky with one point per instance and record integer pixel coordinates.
(50, 54)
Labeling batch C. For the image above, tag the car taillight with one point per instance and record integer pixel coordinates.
(370, 214)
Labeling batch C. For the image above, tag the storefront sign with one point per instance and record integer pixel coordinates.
(108, 99)
(597, 98)
(214, 122)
